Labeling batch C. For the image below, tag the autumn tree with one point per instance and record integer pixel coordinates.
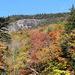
(72, 48)
(2, 58)
(4, 36)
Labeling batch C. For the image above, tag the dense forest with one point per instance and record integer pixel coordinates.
(48, 49)
(38, 16)
(49, 18)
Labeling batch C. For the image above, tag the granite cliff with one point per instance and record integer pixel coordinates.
(24, 23)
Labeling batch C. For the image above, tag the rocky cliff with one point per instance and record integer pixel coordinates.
(24, 23)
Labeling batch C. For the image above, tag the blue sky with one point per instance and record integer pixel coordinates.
(31, 7)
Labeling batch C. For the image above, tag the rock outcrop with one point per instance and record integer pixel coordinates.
(24, 23)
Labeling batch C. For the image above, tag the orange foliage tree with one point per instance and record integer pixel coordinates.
(2, 57)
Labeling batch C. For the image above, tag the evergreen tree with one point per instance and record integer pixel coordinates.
(71, 21)
(4, 22)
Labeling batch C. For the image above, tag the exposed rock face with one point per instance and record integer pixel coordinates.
(24, 23)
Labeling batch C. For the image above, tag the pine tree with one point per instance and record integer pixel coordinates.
(71, 20)
(4, 22)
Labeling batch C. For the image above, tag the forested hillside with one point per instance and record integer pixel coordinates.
(19, 22)
(48, 49)
(51, 18)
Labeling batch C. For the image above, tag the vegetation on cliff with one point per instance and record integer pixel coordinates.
(46, 50)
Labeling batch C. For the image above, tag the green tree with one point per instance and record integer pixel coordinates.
(71, 20)
(4, 22)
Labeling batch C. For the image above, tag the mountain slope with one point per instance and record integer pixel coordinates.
(24, 23)
(19, 22)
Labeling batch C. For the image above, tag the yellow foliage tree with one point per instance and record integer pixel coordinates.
(2, 57)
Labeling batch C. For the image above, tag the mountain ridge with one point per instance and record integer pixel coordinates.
(20, 22)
